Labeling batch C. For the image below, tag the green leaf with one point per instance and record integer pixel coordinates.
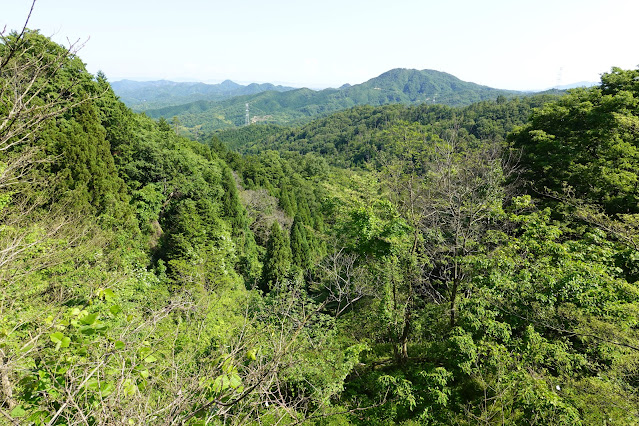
(100, 328)
(87, 330)
(56, 337)
(115, 309)
(108, 294)
(235, 381)
(92, 384)
(60, 340)
(150, 359)
(119, 345)
(89, 319)
(106, 388)
(130, 388)
(18, 411)
(220, 383)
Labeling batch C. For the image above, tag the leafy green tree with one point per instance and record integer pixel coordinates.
(544, 297)
(587, 141)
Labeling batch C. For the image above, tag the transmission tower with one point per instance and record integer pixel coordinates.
(247, 118)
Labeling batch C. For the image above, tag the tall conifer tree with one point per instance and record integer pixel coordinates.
(278, 258)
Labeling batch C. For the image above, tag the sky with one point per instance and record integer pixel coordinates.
(506, 44)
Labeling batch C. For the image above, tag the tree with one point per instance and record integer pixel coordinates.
(587, 141)
(465, 197)
(448, 192)
(300, 248)
(231, 204)
(278, 259)
(27, 59)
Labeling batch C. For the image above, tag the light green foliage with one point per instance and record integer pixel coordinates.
(587, 140)
(403, 282)
(539, 297)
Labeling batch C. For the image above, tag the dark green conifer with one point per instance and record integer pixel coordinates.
(285, 201)
(231, 202)
(300, 247)
(278, 258)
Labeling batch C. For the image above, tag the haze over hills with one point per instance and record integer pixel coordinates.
(576, 85)
(143, 95)
(405, 86)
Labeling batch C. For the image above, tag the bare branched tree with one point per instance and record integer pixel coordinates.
(343, 281)
(466, 192)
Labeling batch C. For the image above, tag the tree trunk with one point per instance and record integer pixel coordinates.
(453, 298)
(403, 341)
(5, 383)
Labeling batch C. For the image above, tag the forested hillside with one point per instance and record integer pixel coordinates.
(357, 136)
(421, 264)
(302, 105)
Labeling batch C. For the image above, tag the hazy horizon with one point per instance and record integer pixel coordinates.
(567, 85)
(498, 43)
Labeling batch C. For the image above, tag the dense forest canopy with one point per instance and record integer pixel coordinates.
(421, 264)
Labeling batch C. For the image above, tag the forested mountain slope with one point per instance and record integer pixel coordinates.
(383, 265)
(356, 136)
(403, 86)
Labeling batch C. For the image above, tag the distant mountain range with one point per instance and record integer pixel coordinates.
(223, 105)
(575, 85)
(143, 95)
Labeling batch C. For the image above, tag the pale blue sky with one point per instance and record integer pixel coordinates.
(509, 44)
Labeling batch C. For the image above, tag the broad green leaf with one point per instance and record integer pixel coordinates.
(89, 319)
(87, 330)
(18, 411)
(235, 381)
(150, 359)
(221, 383)
(108, 294)
(56, 337)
